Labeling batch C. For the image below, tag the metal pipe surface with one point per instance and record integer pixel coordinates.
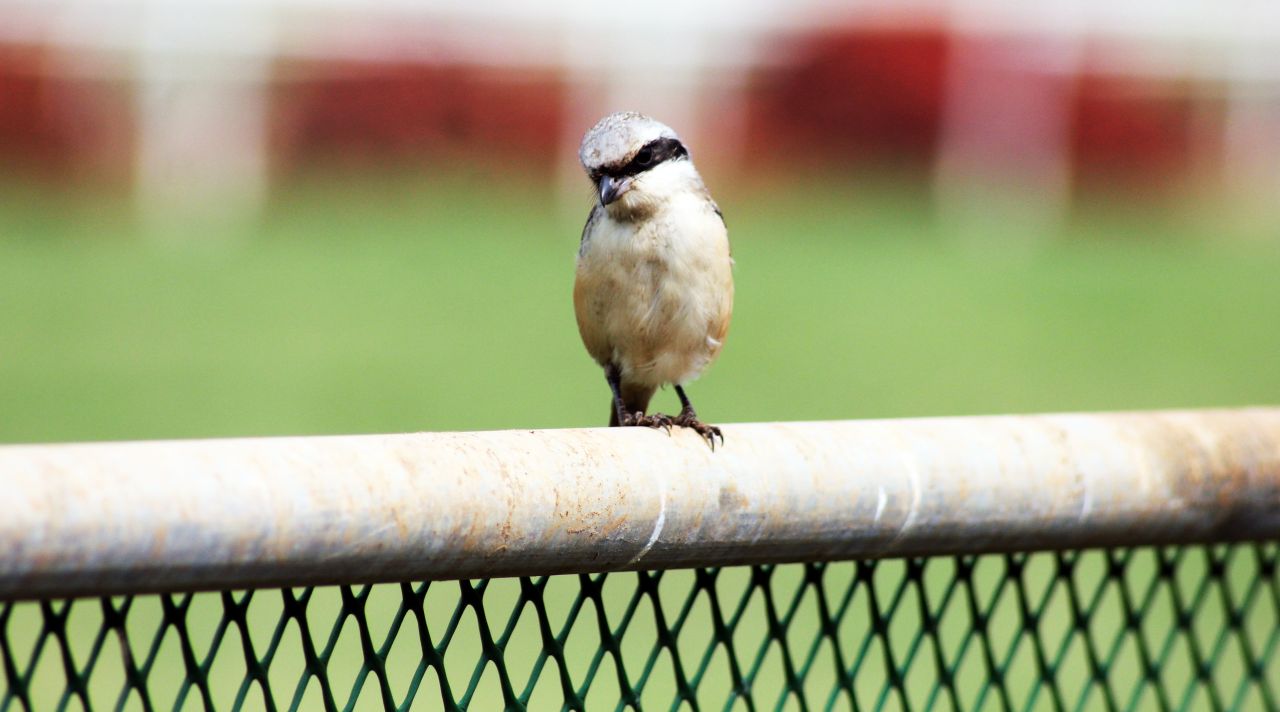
(185, 515)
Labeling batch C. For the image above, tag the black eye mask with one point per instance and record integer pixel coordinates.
(657, 151)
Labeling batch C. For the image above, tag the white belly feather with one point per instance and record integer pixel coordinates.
(654, 296)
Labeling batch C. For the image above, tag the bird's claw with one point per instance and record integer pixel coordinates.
(686, 419)
(689, 419)
(655, 421)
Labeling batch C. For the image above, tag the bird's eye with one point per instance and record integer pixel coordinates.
(644, 157)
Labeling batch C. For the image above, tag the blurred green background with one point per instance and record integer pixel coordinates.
(371, 303)
(306, 219)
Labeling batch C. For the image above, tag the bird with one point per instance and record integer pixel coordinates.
(653, 289)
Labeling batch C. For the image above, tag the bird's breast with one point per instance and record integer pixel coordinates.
(654, 296)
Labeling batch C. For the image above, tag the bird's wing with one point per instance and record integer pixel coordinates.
(596, 213)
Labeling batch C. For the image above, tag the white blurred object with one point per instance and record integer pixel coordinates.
(1251, 144)
(1004, 164)
(201, 164)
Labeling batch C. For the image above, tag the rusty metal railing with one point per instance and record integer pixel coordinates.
(221, 514)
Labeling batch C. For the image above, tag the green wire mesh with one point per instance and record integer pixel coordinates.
(1187, 628)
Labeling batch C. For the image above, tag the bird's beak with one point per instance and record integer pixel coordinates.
(612, 188)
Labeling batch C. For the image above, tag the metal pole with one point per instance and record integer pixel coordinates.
(163, 516)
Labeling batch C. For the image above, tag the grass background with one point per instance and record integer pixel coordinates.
(403, 303)
(400, 302)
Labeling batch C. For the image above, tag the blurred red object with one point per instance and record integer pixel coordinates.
(62, 124)
(863, 94)
(31, 129)
(1131, 131)
(368, 111)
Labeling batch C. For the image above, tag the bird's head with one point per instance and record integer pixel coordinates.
(635, 163)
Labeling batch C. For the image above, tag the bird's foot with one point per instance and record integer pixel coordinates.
(689, 419)
(655, 421)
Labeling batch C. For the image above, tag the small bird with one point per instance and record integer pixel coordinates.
(654, 287)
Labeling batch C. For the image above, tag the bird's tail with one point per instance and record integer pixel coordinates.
(634, 398)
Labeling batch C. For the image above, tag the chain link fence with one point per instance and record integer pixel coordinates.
(1173, 628)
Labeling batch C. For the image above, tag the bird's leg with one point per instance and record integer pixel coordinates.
(621, 415)
(614, 377)
(688, 418)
